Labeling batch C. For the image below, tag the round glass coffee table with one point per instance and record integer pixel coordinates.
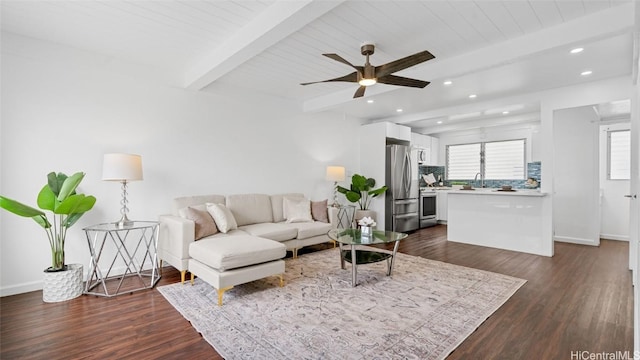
(368, 255)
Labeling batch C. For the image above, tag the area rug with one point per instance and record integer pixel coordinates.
(424, 311)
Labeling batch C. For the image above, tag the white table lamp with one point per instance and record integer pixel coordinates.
(335, 174)
(123, 168)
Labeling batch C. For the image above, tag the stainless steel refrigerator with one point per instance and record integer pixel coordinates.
(402, 197)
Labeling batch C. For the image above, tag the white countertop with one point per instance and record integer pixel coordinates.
(432, 189)
(517, 192)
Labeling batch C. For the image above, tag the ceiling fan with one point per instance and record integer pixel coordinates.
(368, 74)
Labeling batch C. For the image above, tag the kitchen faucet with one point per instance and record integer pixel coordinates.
(475, 180)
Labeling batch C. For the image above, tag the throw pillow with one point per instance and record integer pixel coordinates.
(297, 210)
(223, 217)
(183, 211)
(205, 225)
(319, 211)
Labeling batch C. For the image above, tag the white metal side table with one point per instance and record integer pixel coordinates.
(135, 252)
(346, 214)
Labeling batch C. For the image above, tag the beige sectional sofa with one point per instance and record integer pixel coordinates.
(249, 252)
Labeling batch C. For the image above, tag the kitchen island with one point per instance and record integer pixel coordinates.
(512, 220)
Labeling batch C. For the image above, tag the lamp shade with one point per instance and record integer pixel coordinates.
(119, 167)
(335, 173)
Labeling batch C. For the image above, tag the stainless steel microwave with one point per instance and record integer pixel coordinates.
(423, 156)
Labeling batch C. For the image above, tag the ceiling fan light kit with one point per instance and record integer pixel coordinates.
(369, 77)
(368, 74)
(367, 82)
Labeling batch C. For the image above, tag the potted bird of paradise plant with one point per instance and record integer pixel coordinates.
(66, 206)
(362, 192)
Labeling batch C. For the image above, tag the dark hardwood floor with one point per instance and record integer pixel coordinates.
(579, 300)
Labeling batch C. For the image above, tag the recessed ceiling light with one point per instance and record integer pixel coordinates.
(586, 73)
(370, 101)
(398, 110)
(576, 50)
(448, 82)
(473, 96)
(505, 112)
(439, 122)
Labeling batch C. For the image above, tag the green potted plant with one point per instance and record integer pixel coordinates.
(58, 196)
(362, 192)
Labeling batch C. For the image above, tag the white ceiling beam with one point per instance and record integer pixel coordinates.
(610, 22)
(277, 22)
(482, 123)
(529, 100)
(469, 108)
(532, 98)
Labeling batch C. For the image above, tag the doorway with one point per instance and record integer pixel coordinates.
(588, 204)
(615, 153)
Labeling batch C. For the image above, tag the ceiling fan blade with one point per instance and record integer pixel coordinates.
(339, 58)
(402, 81)
(359, 92)
(353, 77)
(403, 63)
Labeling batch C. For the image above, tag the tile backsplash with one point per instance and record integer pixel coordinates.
(533, 171)
(437, 171)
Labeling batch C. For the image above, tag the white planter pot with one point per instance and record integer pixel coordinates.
(62, 285)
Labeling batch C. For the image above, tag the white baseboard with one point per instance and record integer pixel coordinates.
(573, 240)
(614, 237)
(20, 288)
(37, 285)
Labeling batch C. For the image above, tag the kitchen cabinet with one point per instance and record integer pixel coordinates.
(442, 204)
(435, 151)
(421, 149)
(420, 141)
(429, 144)
(398, 132)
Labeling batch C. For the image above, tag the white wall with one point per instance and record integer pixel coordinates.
(614, 206)
(576, 208)
(62, 109)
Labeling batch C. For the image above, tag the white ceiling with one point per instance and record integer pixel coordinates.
(494, 49)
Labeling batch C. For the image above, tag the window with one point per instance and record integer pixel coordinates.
(463, 161)
(619, 155)
(504, 160)
(498, 160)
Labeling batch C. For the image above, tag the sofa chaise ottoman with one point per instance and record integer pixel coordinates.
(253, 237)
(232, 260)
